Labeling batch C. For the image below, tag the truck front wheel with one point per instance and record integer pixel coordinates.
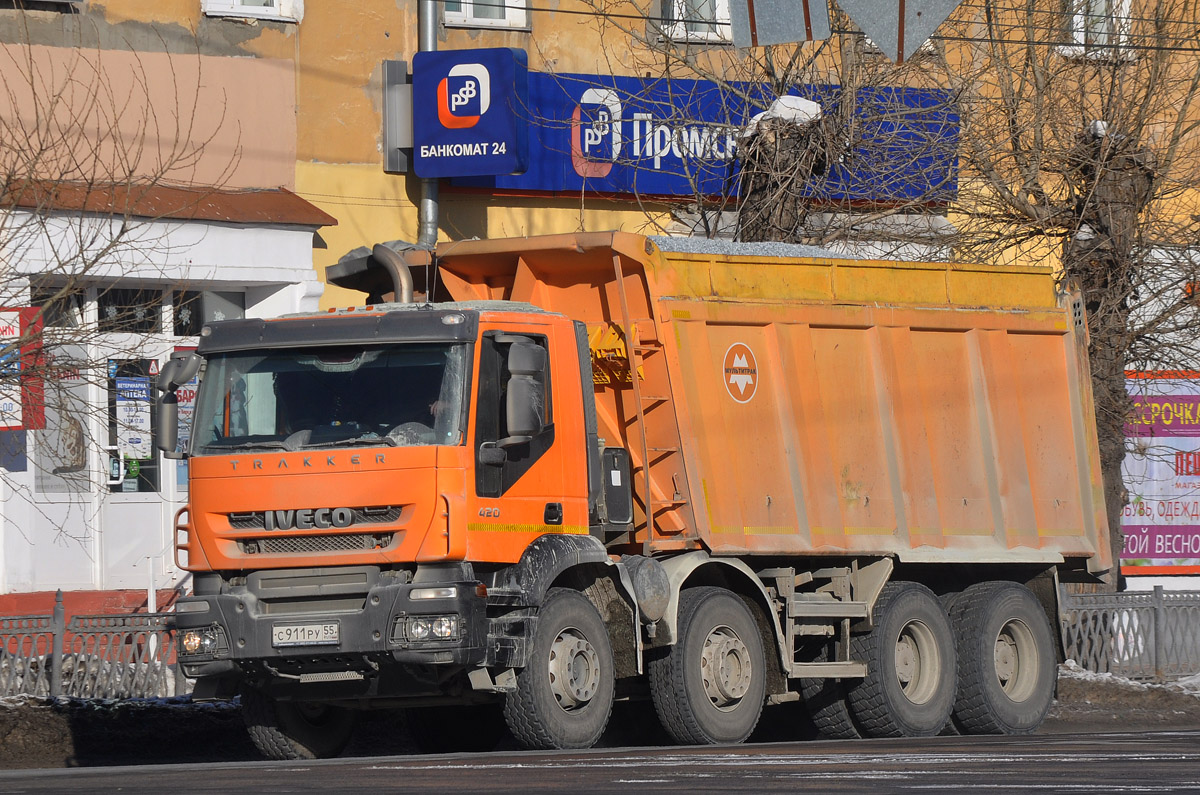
(564, 695)
(710, 686)
(295, 730)
(910, 683)
(1005, 660)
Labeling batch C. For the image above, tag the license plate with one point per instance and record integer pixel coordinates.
(324, 633)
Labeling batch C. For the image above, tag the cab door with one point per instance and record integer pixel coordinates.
(521, 488)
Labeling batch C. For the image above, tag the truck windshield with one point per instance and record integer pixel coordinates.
(398, 395)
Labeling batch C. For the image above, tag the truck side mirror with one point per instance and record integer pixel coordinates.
(525, 404)
(181, 368)
(168, 424)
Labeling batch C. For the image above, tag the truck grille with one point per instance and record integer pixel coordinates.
(377, 514)
(343, 542)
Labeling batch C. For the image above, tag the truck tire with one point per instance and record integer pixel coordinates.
(564, 695)
(825, 700)
(449, 729)
(1006, 660)
(710, 686)
(294, 729)
(910, 684)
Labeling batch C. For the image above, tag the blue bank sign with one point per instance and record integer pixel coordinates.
(625, 135)
(470, 112)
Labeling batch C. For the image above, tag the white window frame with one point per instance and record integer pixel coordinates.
(516, 15)
(675, 25)
(1099, 29)
(281, 10)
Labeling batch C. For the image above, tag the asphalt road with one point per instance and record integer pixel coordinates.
(1148, 762)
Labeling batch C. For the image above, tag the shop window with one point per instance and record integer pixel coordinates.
(698, 20)
(130, 310)
(61, 306)
(283, 10)
(191, 310)
(486, 13)
(133, 461)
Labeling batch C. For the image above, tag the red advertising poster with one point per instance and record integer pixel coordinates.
(22, 404)
(1162, 473)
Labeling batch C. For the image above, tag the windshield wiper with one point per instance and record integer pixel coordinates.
(274, 445)
(357, 441)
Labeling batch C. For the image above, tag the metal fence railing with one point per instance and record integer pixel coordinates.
(105, 656)
(1143, 635)
(1150, 636)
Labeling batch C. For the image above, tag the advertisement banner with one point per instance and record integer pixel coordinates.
(133, 417)
(1161, 523)
(22, 405)
(469, 111)
(61, 448)
(629, 136)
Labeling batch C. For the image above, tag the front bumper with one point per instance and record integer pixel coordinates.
(237, 632)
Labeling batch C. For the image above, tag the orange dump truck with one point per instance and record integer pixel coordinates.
(598, 467)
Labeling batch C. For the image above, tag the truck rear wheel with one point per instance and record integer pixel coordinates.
(710, 686)
(825, 700)
(295, 729)
(910, 655)
(564, 695)
(1005, 660)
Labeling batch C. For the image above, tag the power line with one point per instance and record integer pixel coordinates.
(1052, 30)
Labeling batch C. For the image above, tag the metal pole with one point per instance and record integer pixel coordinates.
(58, 631)
(427, 209)
(1160, 641)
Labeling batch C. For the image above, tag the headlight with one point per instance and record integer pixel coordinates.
(418, 628)
(423, 628)
(445, 627)
(198, 641)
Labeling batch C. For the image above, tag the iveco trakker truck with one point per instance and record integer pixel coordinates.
(598, 467)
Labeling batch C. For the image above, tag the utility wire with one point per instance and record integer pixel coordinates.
(1058, 33)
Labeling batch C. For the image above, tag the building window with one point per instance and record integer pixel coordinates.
(1098, 28)
(486, 13)
(61, 306)
(137, 311)
(191, 310)
(698, 20)
(285, 10)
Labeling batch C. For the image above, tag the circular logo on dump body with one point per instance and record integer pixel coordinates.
(741, 372)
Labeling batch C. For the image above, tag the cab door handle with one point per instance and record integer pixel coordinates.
(554, 513)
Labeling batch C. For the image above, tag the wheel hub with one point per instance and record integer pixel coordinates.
(725, 667)
(908, 661)
(574, 669)
(1006, 659)
(917, 662)
(1016, 659)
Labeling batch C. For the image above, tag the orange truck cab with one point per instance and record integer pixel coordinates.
(603, 466)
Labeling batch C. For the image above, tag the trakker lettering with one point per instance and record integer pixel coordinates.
(308, 518)
(307, 462)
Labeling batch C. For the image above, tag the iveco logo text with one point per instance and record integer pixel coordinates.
(308, 518)
(463, 95)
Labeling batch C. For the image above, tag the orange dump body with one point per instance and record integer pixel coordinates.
(814, 406)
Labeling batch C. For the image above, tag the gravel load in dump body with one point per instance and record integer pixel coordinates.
(703, 245)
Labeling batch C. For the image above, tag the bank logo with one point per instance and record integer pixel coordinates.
(463, 96)
(741, 372)
(596, 132)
